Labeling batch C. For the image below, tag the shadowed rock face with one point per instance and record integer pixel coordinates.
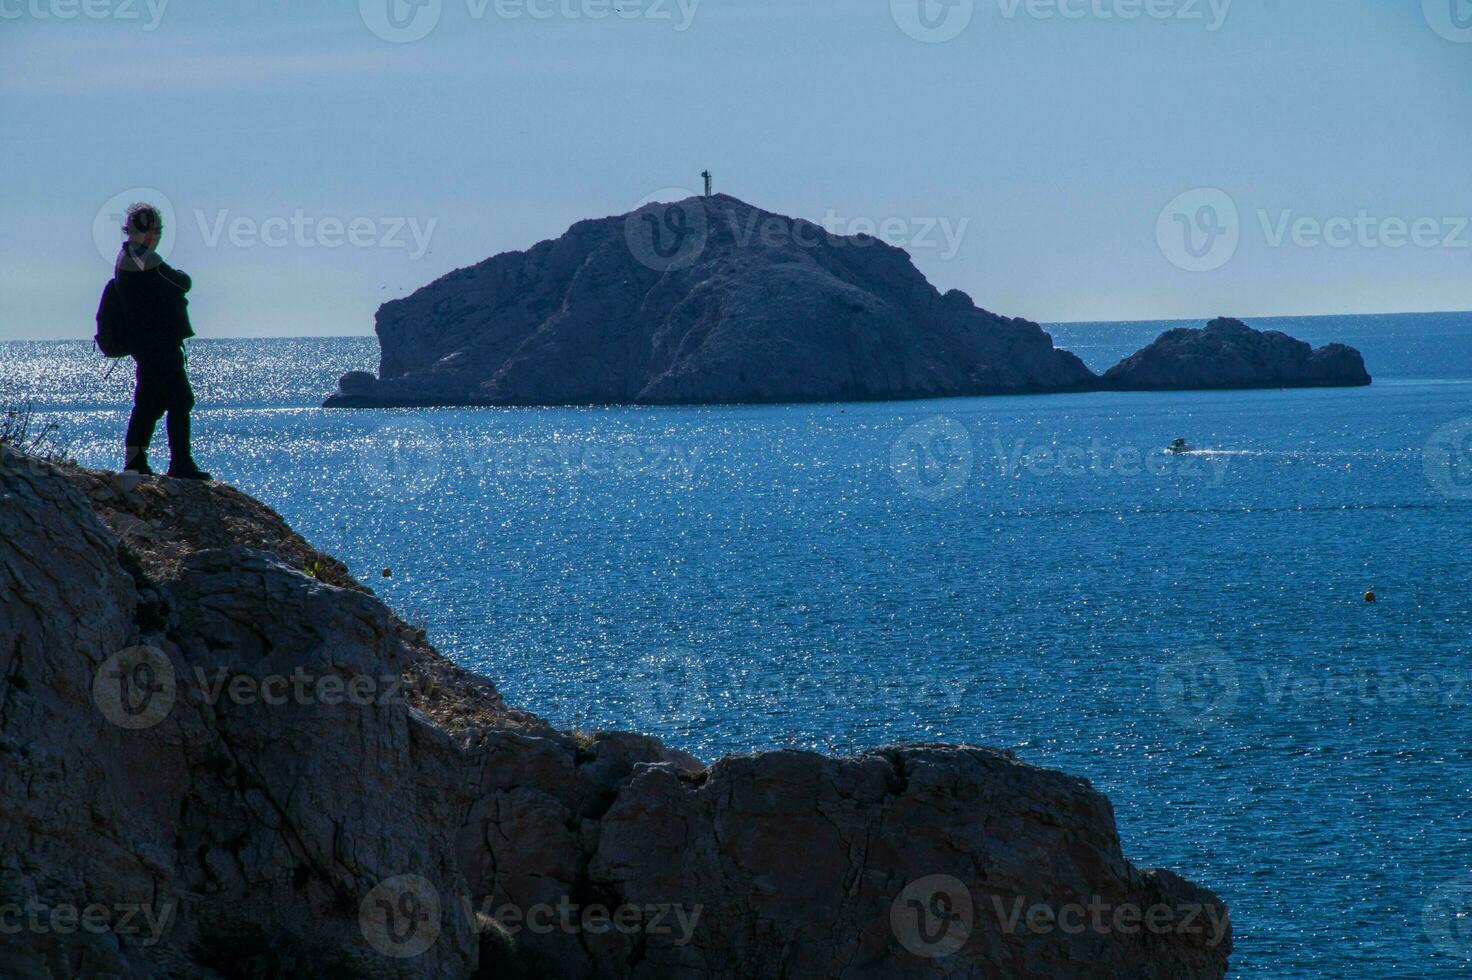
(388, 835)
(707, 300)
(795, 865)
(1230, 354)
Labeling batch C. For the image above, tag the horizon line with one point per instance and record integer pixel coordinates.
(1042, 323)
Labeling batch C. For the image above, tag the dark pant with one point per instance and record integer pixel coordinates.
(162, 387)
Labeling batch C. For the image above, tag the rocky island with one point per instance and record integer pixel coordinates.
(707, 300)
(1230, 354)
(712, 301)
(226, 758)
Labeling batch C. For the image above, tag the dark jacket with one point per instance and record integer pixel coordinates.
(152, 294)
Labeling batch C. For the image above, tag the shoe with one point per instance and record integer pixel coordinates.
(138, 464)
(188, 471)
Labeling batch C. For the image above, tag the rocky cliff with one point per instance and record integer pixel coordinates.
(705, 300)
(1230, 354)
(225, 758)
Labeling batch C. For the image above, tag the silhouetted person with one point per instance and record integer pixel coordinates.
(157, 314)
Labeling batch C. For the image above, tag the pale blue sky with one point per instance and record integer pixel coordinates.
(1028, 159)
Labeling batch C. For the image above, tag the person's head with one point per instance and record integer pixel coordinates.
(144, 225)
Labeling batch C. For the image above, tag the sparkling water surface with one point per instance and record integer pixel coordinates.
(1030, 573)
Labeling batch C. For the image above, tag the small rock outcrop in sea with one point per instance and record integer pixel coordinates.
(708, 300)
(1230, 354)
(225, 758)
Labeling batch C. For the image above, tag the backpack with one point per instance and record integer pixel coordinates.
(112, 324)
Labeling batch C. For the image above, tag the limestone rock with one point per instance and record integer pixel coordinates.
(791, 864)
(745, 306)
(1230, 354)
(225, 834)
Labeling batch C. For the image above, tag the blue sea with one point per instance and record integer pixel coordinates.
(1033, 573)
